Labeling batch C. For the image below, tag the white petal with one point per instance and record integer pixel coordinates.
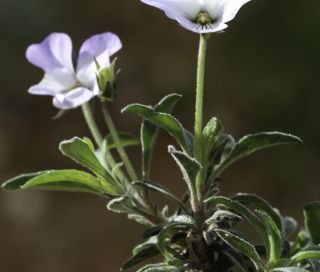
(53, 83)
(100, 47)
(231, 9)
(177, 8)
(72, 99)
(197, 28)
(215, 8)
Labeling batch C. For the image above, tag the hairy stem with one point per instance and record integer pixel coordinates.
(120, 149)
(88, 116)
(199, 110)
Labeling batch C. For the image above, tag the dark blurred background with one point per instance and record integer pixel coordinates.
(263, 74)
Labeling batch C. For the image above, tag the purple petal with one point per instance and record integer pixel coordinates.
(100, 47)
(57, 81)
(53, 53)
(72, 99)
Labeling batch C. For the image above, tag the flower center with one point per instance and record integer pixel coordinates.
(204, 19)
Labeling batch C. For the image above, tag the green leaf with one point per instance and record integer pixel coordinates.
(149, 132)
(312, 220)
(126, 139)
(260, 204)
(254, 142)
(189, 167)
(246, 213)
(81, 152)
(142, 252)
(241, 245)
(16, 183)
(162, 190)
(160, 267)
(121, 204)
(288, 269)
(301, 241)
(274, 237)
(63, 180)
(304, 255)
(164, 121)
(178, 223)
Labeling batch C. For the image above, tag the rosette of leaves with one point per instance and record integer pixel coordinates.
(188, 239)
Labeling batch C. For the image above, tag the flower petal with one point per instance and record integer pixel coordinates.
(231, 9)
(54, 52)
(177, 8)
(72, 99)
(100, 47)
(197, 28)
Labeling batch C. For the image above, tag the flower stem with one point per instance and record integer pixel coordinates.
(88, 115)
(120, 149)
(199, 108)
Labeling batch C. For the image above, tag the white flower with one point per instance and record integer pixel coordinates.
(71, 85)
(200, 16)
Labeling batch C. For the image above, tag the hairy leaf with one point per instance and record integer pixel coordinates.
(312, 220)
(254, 142)
(81, 152)
(241, 245)
(162, 190)
(149, 132)
(274, 237)
(62, 180)
(163, 120)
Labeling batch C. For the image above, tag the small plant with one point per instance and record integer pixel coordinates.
(202, 234)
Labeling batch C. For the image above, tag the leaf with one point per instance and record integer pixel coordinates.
(288, 269)
(260, 204)
(241, 245)
(304, 255)
(160, 267)
(142, 252)
(312, 220)
(274, 237)
(162, 190)
(254, 142)
(246, 213)
(121, 204)
(178, 223)
(126, 139)
(189, 167)
(221, 216)
(62, 180)
(81, 152)
(149, 132)
(164, 121)
(301, 241)
(16, 183)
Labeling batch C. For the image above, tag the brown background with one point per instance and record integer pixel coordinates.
(263, 74)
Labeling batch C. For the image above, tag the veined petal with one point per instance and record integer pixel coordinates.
(52, 53)
(209, 28)
(54, 82)
(100, 47)
(73, 98)
(231, 9)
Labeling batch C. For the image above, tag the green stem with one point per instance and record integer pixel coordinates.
(120, 149)
(199, 110)
(88, 115)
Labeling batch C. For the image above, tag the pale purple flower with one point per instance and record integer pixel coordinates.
(71, 85)
(200, 16)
